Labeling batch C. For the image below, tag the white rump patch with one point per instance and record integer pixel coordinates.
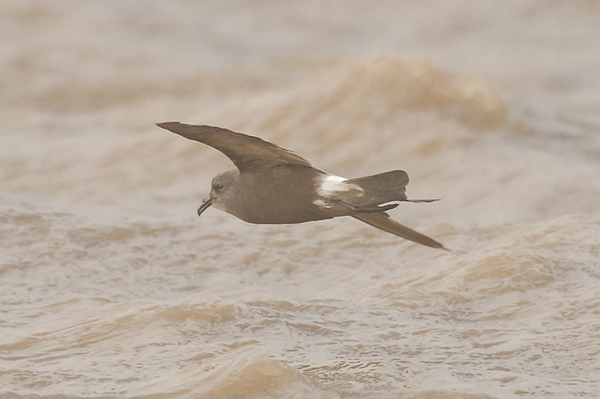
(332, 185)
(322, 204)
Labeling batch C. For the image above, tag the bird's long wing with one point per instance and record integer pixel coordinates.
(246, 152)
(382, 221)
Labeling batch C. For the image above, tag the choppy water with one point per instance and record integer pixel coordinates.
(111, 287)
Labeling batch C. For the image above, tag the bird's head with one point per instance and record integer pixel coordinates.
(222, 189)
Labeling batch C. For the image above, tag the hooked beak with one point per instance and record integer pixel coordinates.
(206, 203)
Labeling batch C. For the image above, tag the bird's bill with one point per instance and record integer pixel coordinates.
(206, 203)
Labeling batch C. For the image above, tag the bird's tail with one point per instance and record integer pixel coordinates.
(393, 180)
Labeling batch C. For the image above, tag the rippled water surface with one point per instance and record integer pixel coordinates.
(112, 287)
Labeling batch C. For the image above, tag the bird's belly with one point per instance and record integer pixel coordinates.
(285, 213)
(285, 204)
(287, 195)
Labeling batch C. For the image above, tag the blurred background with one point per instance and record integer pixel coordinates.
(112, 287)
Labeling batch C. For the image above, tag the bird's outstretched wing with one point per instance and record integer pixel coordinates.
(246, 152)
(382, 221)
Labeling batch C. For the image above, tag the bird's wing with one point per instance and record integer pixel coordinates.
(382, 221)
(246, 152)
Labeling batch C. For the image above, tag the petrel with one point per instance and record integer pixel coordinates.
(272, 185)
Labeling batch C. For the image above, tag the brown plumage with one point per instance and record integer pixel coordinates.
(272, 185)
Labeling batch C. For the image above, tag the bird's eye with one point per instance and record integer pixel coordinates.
(219, 187)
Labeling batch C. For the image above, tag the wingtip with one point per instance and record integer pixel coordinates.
(441, 246)
(431, 243)
(382, 220)
(165, 125)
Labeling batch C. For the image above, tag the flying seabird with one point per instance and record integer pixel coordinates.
(272, 185)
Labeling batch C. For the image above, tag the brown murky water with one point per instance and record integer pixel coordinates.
(112, 287)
